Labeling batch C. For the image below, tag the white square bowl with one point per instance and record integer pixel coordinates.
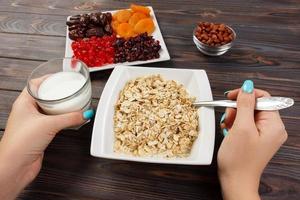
(197, 84)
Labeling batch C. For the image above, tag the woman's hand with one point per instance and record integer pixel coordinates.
(28, 133)
(251, 140)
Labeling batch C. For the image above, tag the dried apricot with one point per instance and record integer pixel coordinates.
(115, 24)
(142, 9)
(144, 25)
(135, 18)
(125, 30)
(123, 15)
(114, 16)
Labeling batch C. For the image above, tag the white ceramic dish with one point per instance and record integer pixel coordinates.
(197, 84)
(163, 54)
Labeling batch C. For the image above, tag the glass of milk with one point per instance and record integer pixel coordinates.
(61, 86)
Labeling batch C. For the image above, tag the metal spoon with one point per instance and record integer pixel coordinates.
(263, 103)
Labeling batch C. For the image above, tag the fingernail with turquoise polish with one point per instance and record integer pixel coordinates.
(225, 132)
(226, 93)
(89, 114)
(223, 118)
(248, 86)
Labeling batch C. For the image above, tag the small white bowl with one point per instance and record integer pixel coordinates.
(197, 84)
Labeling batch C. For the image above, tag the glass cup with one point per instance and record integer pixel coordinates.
(61, 86)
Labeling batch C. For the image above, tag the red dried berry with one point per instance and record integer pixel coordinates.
(95, 51)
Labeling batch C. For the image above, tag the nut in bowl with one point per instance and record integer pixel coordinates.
(197, 141)
(213, 39)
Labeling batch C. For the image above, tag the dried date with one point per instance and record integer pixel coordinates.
(88, 25)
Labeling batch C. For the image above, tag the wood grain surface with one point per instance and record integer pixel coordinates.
(267, 50)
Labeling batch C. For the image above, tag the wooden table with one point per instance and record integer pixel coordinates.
(267, 51)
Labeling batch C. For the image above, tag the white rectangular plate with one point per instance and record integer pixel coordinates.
(196, 83)
(163, 53)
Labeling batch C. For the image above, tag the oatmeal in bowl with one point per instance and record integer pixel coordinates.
(146, 114)
(155, 116)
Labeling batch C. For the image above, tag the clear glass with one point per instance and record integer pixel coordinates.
(69, 101)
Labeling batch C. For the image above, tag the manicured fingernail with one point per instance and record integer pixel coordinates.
(226, 93)
(89, 114)
(223, 118)
(248, 86)
(225, 132)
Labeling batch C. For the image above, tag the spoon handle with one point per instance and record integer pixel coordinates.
(263, 103)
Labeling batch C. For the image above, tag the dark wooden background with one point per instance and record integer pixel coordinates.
(267, 51)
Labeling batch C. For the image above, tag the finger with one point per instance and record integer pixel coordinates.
(232, 95)
(26, 96)
(230, 117)
(38, 81)
(224, 130)
(34, 84)
(245, 104)
(24, 100)
(227, 120)
(261, 93)
(223, 125)
(73, 119)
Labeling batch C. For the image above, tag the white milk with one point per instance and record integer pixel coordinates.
(61, 85)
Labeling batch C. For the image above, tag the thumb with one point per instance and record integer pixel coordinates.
(245, 104)
(67, 120)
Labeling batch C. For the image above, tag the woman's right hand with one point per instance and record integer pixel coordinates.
(28, 133)
(251, 140)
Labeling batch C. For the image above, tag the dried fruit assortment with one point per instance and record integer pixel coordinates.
(102, 38)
